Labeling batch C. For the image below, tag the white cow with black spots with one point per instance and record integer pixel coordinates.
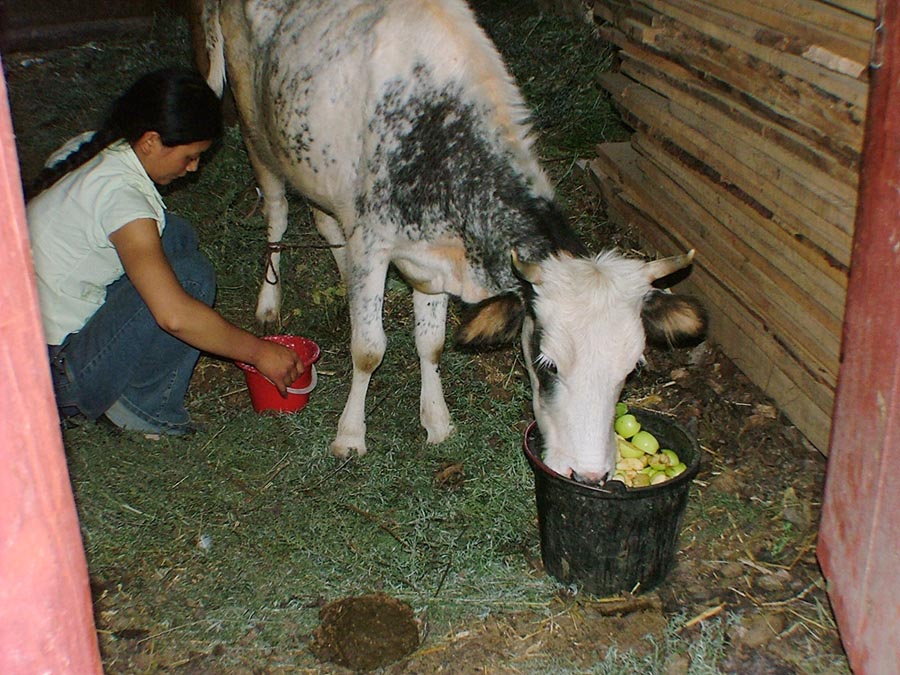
(398, 122)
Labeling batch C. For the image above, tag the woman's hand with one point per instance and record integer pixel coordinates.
(279, 364)
(178, 313)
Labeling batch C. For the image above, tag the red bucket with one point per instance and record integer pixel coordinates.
(265, 396)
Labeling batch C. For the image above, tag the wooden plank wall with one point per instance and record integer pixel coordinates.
(43, 24)
(748, 119)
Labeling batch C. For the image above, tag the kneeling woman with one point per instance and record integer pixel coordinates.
(126, 296)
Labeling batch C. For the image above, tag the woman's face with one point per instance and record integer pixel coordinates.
(165, 163)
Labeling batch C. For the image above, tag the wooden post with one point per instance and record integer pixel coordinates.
(858, 545)
(46, 619)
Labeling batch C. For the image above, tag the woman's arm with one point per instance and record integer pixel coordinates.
(183, 316)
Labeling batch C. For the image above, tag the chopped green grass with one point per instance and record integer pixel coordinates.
(255, 517)
(555, 63)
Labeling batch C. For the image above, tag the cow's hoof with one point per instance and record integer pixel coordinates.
(268, 305)
(435, 419)
(342, 448)
(439, 435)
(269, 319)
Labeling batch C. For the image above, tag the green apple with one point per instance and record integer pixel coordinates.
(646, 442)
(676, 470)
(672, 455)
(627, 426)
(626, 449)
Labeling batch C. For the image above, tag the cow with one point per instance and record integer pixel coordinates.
(399, 123)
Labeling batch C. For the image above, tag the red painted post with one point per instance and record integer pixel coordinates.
(859, 548)
(46, 618)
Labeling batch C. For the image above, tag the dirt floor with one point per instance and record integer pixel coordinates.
(731, 562)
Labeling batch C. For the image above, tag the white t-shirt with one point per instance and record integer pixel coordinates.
(70, 223)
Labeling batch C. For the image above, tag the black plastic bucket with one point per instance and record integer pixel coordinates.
(610, 540)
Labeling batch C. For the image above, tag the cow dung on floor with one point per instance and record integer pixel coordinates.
(365, 632)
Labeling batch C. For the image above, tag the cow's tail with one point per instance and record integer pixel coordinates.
(209, 45)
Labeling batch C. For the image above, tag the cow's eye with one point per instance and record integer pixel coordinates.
(543, 361)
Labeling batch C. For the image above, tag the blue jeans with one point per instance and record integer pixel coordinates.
(122, 364)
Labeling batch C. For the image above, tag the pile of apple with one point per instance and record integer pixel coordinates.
(639, 460)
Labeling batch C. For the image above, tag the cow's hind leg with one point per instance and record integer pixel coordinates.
(268, 305)
(331, 231)
(366, 274)
(431, 319)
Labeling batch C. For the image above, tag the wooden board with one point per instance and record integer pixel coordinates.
(41, 24)
(773, 24)
(828, 16)
(662, 119)
(864, 8)
(668, 79)
(770, 94)
(727, 29)
(817, 191)
(823, 285)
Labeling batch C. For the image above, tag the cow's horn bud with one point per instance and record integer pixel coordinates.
(658, 269)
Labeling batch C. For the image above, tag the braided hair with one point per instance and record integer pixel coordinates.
(174, 102)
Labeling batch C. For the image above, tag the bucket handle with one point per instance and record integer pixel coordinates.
(314, 378)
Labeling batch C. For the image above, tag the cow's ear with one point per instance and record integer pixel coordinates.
(673, 320)
(491, 322)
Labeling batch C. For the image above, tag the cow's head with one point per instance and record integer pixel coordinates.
(584, 327)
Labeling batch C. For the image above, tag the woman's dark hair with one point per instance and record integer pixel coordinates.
(174, 102)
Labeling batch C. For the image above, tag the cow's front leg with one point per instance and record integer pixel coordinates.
(431, 320)
(268, 305)
(367, 272)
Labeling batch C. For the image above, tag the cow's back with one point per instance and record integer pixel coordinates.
(399, 111)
